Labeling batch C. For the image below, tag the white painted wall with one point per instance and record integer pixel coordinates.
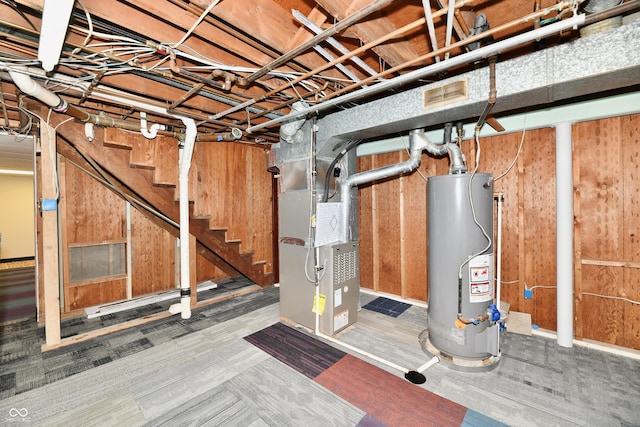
(17, 217)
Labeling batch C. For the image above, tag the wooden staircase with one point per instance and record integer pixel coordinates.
(148, 169)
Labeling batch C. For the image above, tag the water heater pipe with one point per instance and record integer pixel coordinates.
(500, 199)
(456, 158)
(564, 234)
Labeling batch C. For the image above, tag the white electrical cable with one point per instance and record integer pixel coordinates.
(195, 25)
(515, 159)
(473, 211)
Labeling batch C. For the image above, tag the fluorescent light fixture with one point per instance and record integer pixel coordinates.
(55, 21)
(14, 172)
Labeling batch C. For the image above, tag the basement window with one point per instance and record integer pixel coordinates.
(97, 261)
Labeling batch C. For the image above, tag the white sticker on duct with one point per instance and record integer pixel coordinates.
(340, 320)
(481, 278)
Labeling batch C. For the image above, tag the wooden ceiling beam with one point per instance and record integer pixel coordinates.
(267, 21)
(184, 19)
(393, 53)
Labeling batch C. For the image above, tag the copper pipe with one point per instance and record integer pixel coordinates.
(92, 85)
(195, 89)
(283, 104)
(492, 93)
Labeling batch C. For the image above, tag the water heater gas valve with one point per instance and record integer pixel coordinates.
(493, 313)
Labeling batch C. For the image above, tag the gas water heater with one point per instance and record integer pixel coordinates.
(463, 321)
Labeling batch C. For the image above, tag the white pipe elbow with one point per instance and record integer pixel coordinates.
(183, 307)
(151, 132)
(29, 86)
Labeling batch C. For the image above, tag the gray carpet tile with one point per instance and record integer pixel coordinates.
(20, 343)
(216, 407)
(283, 397)
(202, 372)
(94, 388)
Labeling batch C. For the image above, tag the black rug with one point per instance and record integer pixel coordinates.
(296, 349)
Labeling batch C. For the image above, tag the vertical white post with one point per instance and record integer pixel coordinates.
(129, 250)
(564, 233)
(500, 198)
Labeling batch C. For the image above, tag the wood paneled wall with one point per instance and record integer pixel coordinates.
(393, 225)
(607, 158)
(92, 214)
(229, 183)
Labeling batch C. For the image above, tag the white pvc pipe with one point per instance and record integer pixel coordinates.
(129, 250)
(428, 364)
(30, 87)
(499, 253)
(152, 132)
(184, 307)
(564, 234)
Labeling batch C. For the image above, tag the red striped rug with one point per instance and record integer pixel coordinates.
(389, 400)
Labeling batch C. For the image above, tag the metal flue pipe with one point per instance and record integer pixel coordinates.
(458, 164)
(416, 146)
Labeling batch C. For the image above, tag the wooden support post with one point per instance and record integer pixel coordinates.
(50, 236)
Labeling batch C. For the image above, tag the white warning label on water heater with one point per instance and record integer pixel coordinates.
(481, 278)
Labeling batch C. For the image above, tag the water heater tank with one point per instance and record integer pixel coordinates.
(456, 240)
